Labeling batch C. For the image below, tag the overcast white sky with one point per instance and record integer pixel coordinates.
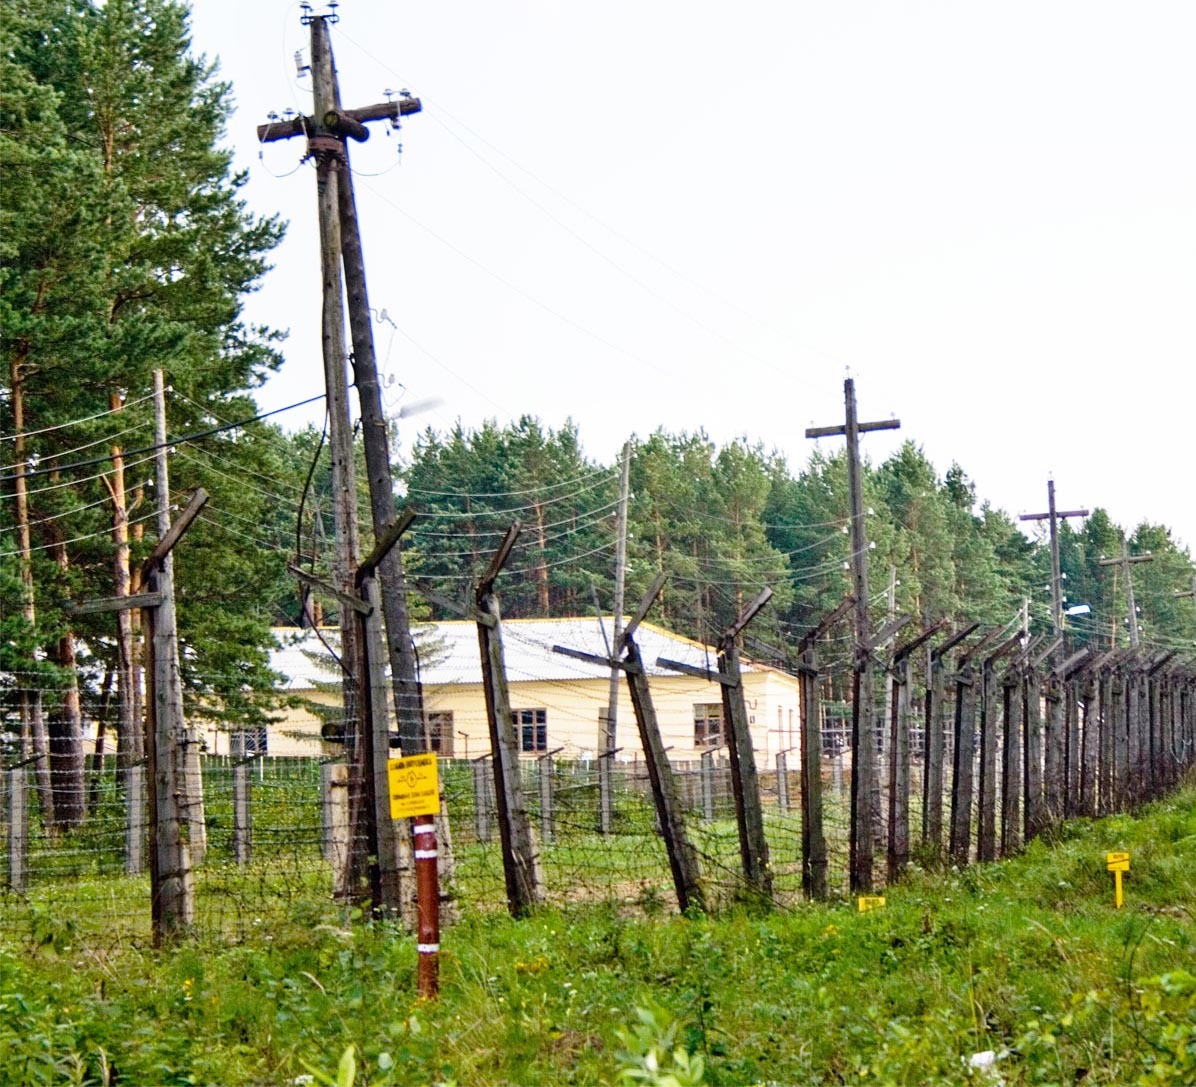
(704, 215)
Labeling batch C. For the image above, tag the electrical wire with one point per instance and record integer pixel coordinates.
(74, 422)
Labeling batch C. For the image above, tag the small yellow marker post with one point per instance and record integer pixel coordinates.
(869, 902)
(1117, 863)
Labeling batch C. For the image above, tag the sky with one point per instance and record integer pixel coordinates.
(707, 216)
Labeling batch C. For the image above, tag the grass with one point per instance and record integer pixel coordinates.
(1027, 958)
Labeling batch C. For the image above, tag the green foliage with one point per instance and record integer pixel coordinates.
(1027, 960)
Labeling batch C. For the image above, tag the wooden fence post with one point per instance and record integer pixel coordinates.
(897, 855)
(18, 829)
(936, 729)
(782, 764)
(670, 822)
(336, 844)
(813, 835)
(547, 773)
(134, 780)
(986, 826)
(1011, 758)
(707, 782)
(242, 813)
(521, 858)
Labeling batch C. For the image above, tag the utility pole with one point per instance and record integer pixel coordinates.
(326, 132)
(609, 727)
(1123, 563)
(1053, 515)
(168, 680)
(863, 730)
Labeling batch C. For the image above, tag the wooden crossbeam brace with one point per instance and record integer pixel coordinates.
(174, 533)
(1073, 664)
(1046, 652)
(463, 610)
(486, 583)
(1005, 648)
(593, 658)
(903, 651)
(1163, 661)
(116, 603)
(953, 641)
(746, 616)
(645, 604)
(347, 599)
(700, 673)
(382, 548)
(886, 632)
(984, 642)
(811, 636)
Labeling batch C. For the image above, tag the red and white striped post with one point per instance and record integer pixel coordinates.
(427, 888)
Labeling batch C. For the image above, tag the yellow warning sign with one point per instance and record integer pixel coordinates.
(870, 902)
(414, 786)
(1117, 862)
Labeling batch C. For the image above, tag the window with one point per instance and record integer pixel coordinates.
(531, 730)
(708, 724)
(440, 733)
(248, 741)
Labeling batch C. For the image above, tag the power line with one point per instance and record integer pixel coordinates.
(74, 422)
(166, 445)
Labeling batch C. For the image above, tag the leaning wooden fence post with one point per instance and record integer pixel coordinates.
(1055, 745)
(521, 858)
(964, 755)
(1012, 775)
(745, 782)
(986, 827)
(1032, 751)
(683, 858)
(782, 761)
(897, 853)
(813, 835)
(936, 730)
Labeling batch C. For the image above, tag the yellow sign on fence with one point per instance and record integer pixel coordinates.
(870, 902)
(414, 786)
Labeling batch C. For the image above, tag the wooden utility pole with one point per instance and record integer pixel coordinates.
(168, 680)
(608, 731)
(326, 131)
(1053, 516)
(1123, 564)
(863, 717)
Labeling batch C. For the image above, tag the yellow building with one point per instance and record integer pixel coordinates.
(558, 702)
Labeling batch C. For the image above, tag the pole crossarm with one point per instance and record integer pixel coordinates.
(175, 533)
(1005, 648)
(116, 603)
(301, 126)
(830, 431)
